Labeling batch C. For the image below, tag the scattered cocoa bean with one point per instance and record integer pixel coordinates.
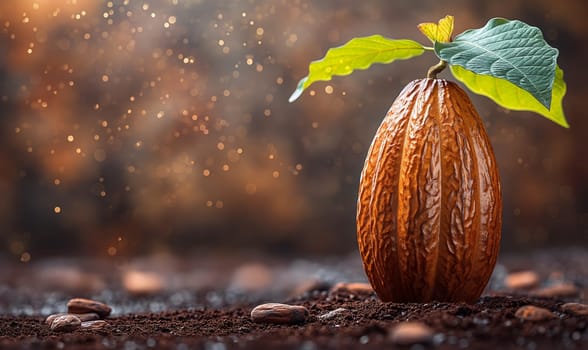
(575, 308)
(94, 325)
(522, 280)
(143, 283)
(65, 323)
(50, 318)
(279, 313)
(332, 313)
(353, 287)
(408, 333)
(91, 316)
(533, 313)
(561, 290)
(82, 306)
(69, 278)
(83, 317)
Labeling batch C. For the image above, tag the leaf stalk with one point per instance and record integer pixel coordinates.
(436, 69)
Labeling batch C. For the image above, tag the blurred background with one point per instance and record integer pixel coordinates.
(137, 127)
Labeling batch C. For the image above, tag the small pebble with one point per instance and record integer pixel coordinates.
(332, 313)
(83, 306)
(94, 325)
(279, 313)
(575, 308)
(522, 280)
(353, 287)
(409, 333)
(561, 290)
(533, 313)
(65, 323)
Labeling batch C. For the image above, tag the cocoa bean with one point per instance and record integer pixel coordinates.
(91, 316)
(575, 308)
(50, 318)
(279, 313)
(82, 306)
(561, 290)
(83, 317)
(65, 323)
(409, 333)
(522, 280)
(143, 283)
(533, 313)
(94, 325)
(353, 287)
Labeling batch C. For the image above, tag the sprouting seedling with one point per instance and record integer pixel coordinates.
(429, 208)
(507, 61)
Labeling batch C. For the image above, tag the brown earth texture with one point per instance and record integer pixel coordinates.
(206, 303)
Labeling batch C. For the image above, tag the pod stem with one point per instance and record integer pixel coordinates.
(436, 69)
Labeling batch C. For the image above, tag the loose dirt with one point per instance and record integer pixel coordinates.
(217, 319)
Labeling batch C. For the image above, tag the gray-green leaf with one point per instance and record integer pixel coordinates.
(510, 50)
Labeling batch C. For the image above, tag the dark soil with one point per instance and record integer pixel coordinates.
(490, 323)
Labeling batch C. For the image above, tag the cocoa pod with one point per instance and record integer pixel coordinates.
(429, 206)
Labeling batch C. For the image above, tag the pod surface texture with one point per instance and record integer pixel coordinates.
(429, 209)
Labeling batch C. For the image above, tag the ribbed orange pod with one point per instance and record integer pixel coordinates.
(429, 207)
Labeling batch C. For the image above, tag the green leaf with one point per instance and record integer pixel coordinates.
(510, 96)
(510, 50)
(440, 31)
(358, 53)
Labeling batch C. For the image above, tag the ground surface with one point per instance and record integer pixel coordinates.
(164, 303)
